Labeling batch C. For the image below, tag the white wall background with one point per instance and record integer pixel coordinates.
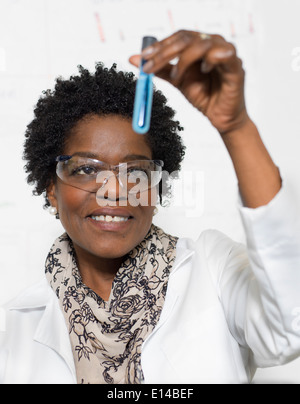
(43, 39)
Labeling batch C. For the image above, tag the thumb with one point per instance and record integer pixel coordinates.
(135, 60)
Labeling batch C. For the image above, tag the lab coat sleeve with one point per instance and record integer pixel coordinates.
(259, 286)
(3, 351)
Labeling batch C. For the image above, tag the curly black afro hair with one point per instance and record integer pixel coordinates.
(105, 92)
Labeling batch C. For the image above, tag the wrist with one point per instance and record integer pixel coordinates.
(241, 134)
(259, 178)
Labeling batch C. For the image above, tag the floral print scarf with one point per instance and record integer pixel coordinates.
(107, 336)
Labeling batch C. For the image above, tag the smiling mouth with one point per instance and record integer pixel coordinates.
(111, 219)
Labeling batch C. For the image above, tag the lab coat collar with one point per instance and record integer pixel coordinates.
(35, 297)
(39, 295)
(185, 249)
(51, 330)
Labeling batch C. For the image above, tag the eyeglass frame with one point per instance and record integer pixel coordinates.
(111, 168)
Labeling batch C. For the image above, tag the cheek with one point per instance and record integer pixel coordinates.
(142, 225)
(146, 202)
(144, 199)
(70, 202)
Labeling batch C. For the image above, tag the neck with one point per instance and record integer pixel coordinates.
(97, 273)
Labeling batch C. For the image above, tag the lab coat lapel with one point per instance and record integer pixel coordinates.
(183, 254)
(51, 329)
(152, 352)
(53, 333)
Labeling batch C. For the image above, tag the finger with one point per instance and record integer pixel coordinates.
(152, 50)
(194, 53)
(221, 54)
(135, 60)
(226, 61)
(164, 73)
(182, 36)
(165, 51)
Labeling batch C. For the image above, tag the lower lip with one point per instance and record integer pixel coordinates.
(110, 226)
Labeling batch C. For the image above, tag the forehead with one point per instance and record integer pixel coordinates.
(110, 138)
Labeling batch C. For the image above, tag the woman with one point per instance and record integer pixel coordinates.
(122, 301)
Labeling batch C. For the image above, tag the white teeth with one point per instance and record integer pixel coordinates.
(110, 218)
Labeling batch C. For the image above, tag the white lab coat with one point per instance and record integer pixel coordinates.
(228, 310)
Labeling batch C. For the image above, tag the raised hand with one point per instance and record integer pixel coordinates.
(208, 73)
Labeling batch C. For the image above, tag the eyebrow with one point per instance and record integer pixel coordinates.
(126, 158)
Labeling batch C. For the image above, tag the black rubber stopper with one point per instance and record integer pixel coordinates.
(148, 41)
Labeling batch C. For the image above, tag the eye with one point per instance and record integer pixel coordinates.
(85, 170)
(138, 172)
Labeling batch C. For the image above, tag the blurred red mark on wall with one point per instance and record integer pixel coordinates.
(171, 20)
(100, 27)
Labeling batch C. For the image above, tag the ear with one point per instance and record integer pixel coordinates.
(51, 195)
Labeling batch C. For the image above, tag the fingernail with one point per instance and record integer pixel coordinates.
(173, 73)
(148, 66)
(222, 54)
(148, 51)
(206, 67)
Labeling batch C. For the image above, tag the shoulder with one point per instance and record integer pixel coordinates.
(216, 252)
(211, 244)
(217, 243)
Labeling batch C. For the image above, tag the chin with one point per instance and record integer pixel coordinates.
(110, 250)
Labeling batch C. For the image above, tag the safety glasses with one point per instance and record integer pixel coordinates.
(91, 175)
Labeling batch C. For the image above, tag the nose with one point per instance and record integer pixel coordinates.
(111, 191)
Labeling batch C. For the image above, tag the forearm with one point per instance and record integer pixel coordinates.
(259, 178)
